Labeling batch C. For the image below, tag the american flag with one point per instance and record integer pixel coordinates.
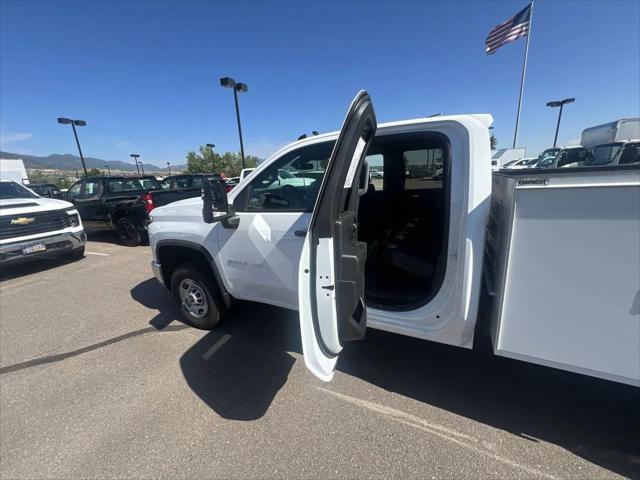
(514, 28)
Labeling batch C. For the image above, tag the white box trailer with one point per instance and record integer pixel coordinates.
(13, 169)
(618, 131)
(563, 265)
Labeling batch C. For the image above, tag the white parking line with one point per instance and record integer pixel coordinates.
(216, 346)
(98, 254)
(30, 282)
(17, 284)
(453, 436)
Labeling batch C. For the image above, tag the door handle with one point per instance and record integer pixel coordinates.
(300, 233)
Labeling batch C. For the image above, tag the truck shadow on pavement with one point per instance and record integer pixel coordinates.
(151, 294)
(36, 266)
(238, 369)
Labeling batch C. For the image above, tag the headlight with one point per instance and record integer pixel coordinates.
(74, 220)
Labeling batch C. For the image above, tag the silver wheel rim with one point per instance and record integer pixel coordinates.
(193, 298)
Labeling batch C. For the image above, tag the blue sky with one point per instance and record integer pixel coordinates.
(144, 75)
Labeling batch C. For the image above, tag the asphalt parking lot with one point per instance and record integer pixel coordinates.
(99, 379)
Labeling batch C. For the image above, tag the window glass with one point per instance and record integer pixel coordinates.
(181, 182)
(196, 182)
(14, 190)
(91, 188)
(291, 183)
(74, 191)
(376, 169)
(603, 154)
(150, 183)
(124, 185)
(40, 189)
(630, 154)
(573, 155)
(421, 165)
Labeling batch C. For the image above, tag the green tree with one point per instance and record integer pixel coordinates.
(493, 142)
(93, 172)
(229, 163)
(38, 176)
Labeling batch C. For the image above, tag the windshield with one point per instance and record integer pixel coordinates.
(603, 154)
(531, 161)
(549, 152)
(151, 184)
(14, 190)
(572, 156)
(40, 189)
(132, 185)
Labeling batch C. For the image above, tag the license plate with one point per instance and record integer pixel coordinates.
(33, 248)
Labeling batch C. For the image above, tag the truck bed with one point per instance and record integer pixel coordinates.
(563, 265)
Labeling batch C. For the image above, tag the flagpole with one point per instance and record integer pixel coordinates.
(524, 72)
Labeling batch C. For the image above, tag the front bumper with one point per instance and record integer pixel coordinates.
(56, 245)
(157, 272)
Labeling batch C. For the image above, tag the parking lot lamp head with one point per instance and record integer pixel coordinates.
(227, 82)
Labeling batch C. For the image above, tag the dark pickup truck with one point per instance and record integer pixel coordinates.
(187, 180)
(122, 204)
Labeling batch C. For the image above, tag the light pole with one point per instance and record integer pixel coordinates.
(229, 82)
(169, 167)
(213, 160)
(108, 169)
(74, 123)
(77, 176)
(135, 157)
(559, 103)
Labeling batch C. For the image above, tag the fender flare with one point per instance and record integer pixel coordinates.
(226, 296)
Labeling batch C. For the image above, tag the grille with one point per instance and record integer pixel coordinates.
(42, 223)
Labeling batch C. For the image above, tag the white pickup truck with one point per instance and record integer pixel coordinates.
(33, 227)
(559, 248)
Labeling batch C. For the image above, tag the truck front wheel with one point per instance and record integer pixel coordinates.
(196, 297)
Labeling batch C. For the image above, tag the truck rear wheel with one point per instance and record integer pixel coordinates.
(196, 296)
(128, 233)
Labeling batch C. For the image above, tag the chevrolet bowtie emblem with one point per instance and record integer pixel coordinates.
(22, 221)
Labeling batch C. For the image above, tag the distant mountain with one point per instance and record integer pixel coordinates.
(70, 162)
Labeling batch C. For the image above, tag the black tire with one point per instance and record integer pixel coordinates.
(76, 254)
(189, 276)
(128, 233)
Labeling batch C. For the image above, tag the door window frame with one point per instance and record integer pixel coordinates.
(96, 195)
(76, 197)
(241, 201)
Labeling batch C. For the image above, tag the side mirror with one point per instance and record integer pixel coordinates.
(214, 200)
(363, 186)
